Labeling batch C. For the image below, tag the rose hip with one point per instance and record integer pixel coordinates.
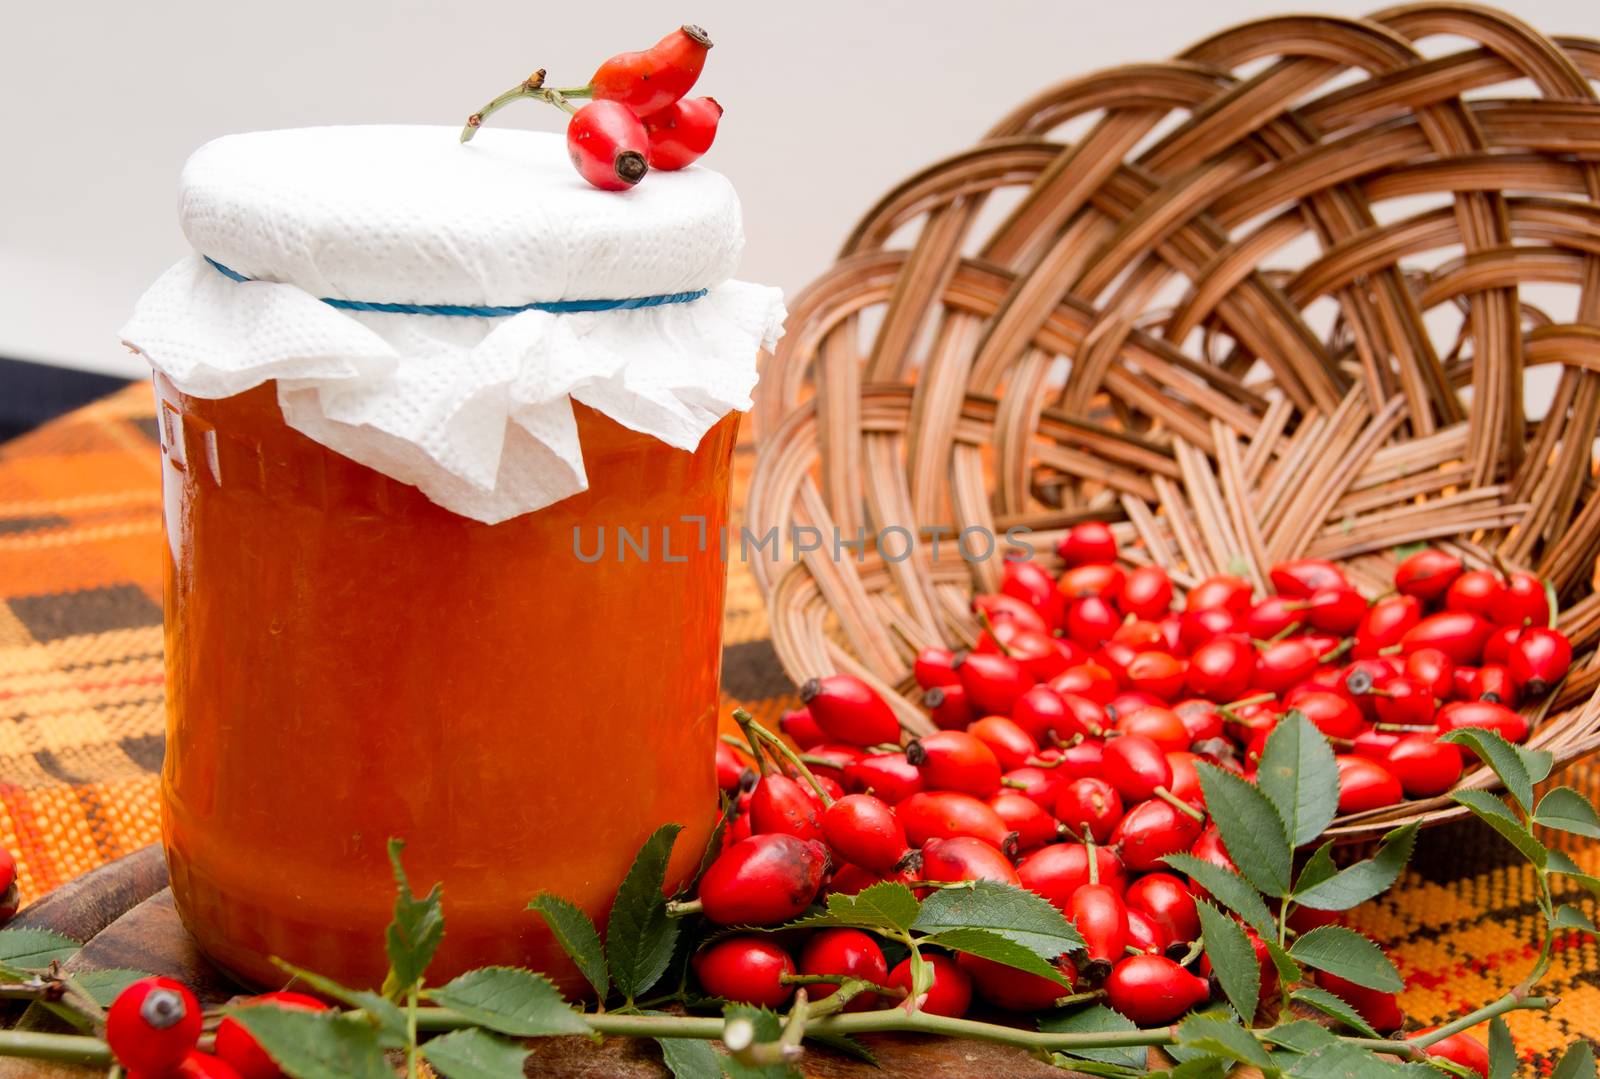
(1091, 621)
(1160, 725)
(1460, 635)
(1539, 659)
(1056, 871)
(1225, 591)
(153, 1024)
(1424, 765)
(1511, 726)
(732, 773)
(1089, 680)
(1016, 990)
(956, 761)
(1334, 714)
(951, 992)
(1136, 767)
(682, 132)
(745, 969)
(1301, 577)
(888, 776)
(1096, 911)
(964, 858)
(801, 728)
(1427, 575)
(1090, 804)
(1091, 541)
(1477, 592)
(993, 682)
(1152, 989)
(608, 145)
(781, 805)
(849, 952)
(648, 81)
(1029, 582)
(1385, 623)
(1462, 1049)
(1220, 670)
(1365, 784)
(935, 667)
(948, 815)
(239, 1048)
(1144, 935)
(850, 711)
(1022, 816)
(1525, 602)
(763, 880)
(865, 831)
(1167, 901)
(1011, 745)
(1152, 830)
(1146, 593)
(1381, 1010)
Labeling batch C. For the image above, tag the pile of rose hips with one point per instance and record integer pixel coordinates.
(154, 1027)
(639, 118)
(1065, 763)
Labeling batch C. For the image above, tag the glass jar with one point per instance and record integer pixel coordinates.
(349, 662)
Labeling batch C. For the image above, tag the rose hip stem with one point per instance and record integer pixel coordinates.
(532, 87)
(757, 734)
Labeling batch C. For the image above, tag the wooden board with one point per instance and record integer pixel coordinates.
(124, 914)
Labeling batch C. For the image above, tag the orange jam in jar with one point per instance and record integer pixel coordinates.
(348, 662)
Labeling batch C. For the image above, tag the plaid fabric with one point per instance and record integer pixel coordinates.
(80, 682)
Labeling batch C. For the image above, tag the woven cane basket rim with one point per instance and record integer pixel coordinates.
(1282, 295)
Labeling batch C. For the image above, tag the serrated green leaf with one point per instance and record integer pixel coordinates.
(1014, 913)
(1576, 1063)
(888, 905)
(987, 944)
(1493, 812)
(1300, 1035)
(639, 935)
(1570, 917)
(512, 1001)
(392, 1024)
(1557, 861)
(1206, 1067)
(1227, 888)
(1341, 1060)
(1367, 878)
(1502, 1051)
(104, 985)
(576, 934)
(1252, 831)
(1098, 1019)
(1519, 769)
(35, 949)
(1328, 1004)
(1318, 868)
(1565, 810)
(1289, 971)
(1233, 960)
(418, 926)
(475, 1054)
(1300, 777)
(844, 1043)
(1349, 955)
(316, 1045)
(1095, 1067)
(1225, 1039)
(690, 1058)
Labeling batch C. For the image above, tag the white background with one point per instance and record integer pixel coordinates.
(828, 104)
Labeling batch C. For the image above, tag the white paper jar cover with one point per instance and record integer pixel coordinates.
(474, 410)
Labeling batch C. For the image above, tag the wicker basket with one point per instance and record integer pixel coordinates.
(1271, 298)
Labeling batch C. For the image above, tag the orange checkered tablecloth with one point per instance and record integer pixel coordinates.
(81, 723)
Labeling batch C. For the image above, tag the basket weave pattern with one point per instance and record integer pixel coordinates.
(1281, 296)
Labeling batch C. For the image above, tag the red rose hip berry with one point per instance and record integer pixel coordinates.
(763, 880)
(1152, 990)
(850, 711)
(239, 1048)
(748, 970)
(845, 951)
(153, 1024)
(648, 81)
(683, 131)
(608, 145)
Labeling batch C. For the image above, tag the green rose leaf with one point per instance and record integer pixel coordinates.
(888, 905)
(1565, 810)
(475, 1054)
(1559, 862)
(1227, 888)
(1493, 812)
(1349, 955)
(104, 985)
(576, 934)
(1519, 769)
(1576, 1063)
(1299, 775)
(392, 1025)
(1098, 1019)
(1221, 1038)
(690, 1058)
(639, 935)
(1252, 830)
(1570, 917)
(417, 928)
(316, 1045)
(1328, 1004)
(1502, 1051)
(35, 949)
(986, 944)
(1004, 909)
(512, 1001)
(1233, 960)
(1367, 878)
